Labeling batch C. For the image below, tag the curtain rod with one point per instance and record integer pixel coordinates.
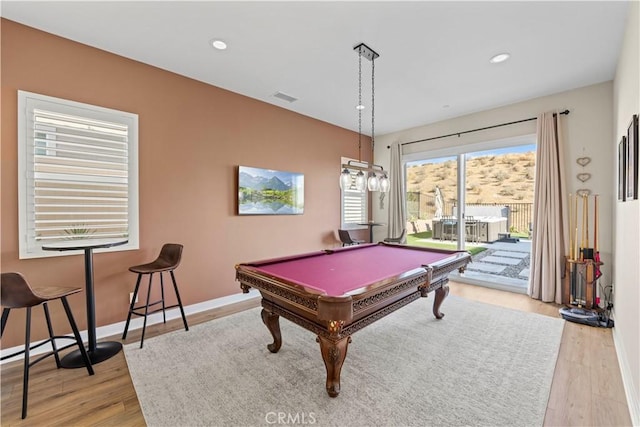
(476, 130)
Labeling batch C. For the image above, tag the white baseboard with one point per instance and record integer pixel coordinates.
(136, 322)
(633, 401)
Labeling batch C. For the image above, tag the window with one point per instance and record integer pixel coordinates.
(353, 204)
(77, 173)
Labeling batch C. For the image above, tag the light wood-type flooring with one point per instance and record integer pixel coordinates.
(586, 390)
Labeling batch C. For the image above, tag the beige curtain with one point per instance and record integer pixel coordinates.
(397, 194)
(549, 242)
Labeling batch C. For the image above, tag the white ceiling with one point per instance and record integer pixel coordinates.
(432, 54)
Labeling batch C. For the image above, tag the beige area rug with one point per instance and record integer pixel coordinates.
(481, 365)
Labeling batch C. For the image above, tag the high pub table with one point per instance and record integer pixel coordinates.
(371, 224)
(98, 352)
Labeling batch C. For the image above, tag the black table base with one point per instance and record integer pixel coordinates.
(103, 351)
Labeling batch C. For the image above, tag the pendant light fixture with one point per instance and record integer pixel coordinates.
(376, 178)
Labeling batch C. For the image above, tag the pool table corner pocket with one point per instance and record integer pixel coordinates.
(335, 308)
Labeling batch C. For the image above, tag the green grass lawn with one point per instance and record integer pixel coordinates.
(415, 240)
(522, 235)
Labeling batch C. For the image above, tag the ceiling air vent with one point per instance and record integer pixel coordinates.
(284, 97)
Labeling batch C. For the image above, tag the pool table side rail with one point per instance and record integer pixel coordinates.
(349, 328)
(250, 277)
(305, 255)
(283, 259)
(458, 261)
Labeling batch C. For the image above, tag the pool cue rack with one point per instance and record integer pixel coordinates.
(582, 265)
(580, 283)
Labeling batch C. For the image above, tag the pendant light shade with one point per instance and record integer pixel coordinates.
(361, 181)
(384, 184)
(373, 183)
(345, 179)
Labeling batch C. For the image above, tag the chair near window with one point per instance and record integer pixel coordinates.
(346, 238)
(449, 227)
(398, 239)
(15, 292)
(472, 230)
(167, 261)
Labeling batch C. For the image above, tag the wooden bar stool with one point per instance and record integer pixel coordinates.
(15, 292)
(167, 261)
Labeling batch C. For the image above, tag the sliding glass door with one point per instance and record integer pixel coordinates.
(480, 201)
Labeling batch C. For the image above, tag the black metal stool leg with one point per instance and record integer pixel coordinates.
(45, 307)
(146, 311)
(131, 306)
(5, 316)
(164, 316)
(76, 333)
(175, 287)
(25, 374)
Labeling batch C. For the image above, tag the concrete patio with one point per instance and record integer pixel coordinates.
(503, 265)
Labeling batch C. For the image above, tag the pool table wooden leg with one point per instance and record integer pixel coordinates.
(272, 322)
(441, 294)
(333, 354)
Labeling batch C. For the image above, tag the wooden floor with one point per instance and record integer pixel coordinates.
(586, 391)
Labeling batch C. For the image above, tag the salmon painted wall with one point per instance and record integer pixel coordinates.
(192, 137)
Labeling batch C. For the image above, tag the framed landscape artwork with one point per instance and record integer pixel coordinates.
(631, 178)
(622, 160)
(269, 192)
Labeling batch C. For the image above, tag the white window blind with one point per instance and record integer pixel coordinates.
(79, 178)
(353, 204)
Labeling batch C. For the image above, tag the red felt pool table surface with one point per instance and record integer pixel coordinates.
(336, 273)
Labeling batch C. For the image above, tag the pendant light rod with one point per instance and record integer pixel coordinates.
(363, 166)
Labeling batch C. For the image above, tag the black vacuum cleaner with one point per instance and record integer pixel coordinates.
(586, 317)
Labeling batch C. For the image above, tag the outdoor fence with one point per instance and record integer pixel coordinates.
(423, 206)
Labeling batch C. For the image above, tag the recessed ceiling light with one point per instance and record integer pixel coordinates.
(360, 107)
(218, 44)
(501, 57)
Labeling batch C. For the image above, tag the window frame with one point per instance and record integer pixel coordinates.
(29, 247)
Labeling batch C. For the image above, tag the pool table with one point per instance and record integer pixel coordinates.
(334, 293)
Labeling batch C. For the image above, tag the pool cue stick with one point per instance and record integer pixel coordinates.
(582, 283)
(575, 225)
(570, 228)
(595, 224)
(596, 254)
(576, 243)
(584, 228)
(572, 253)
(574, 265)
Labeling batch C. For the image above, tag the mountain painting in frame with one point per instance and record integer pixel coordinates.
(269, 192)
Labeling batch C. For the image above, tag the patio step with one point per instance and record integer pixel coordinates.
(511, 254)
(501, 260)
(485, 267)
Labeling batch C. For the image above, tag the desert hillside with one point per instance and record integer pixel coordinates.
(504, 178)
